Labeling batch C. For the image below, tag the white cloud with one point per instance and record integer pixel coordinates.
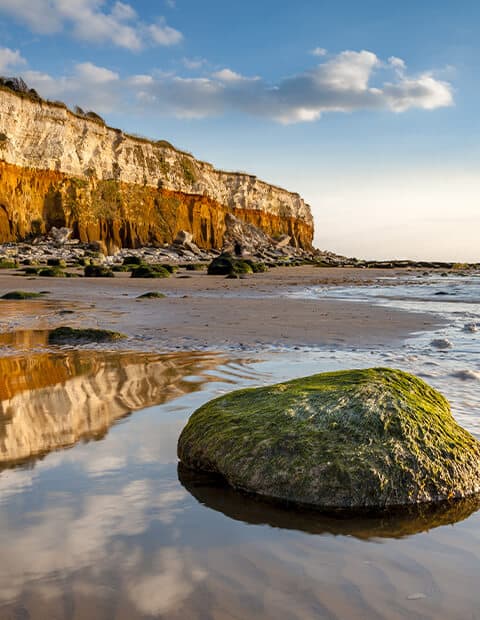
(348, 71)
(123, 12)
(227, 75)
(40, 16)
(141, 80)
(193, 63)
(319, 51)
(90, 20)
(104, 86)
(96, 75)
(342, 83)
(171, 582)
(424, 92)
(162, 34)
(397, 63)
(10, 59)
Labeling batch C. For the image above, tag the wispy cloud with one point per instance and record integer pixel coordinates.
(10, 59)
(319, 51)
(194, 63)
(161, 34)
(91, 20)
(343, 83)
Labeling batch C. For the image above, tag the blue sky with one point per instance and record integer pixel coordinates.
(368, 109)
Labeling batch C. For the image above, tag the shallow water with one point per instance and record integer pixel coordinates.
(98, 521)
(456, 370)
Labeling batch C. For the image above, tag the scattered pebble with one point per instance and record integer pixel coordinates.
(416, 596)
(441, 343)
(467, 375)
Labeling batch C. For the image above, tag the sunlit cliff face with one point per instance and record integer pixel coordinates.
(59, 169)
(50, 401)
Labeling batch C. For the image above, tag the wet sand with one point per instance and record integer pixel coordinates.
(211, 312)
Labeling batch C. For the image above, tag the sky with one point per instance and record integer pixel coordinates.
(368, 109)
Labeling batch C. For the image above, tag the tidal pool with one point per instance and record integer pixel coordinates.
(97, 520)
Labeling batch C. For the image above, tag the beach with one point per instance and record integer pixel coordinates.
(202, 312)
(97, 514)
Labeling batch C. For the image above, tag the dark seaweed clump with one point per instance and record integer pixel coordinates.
(72, 335)
(21, 295)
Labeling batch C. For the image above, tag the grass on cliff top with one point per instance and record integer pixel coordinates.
(360, 437)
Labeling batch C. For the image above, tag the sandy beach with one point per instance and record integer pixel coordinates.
(211, 312)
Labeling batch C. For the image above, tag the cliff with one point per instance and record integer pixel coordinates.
(59, 168)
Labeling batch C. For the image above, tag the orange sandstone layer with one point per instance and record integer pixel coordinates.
(59, 168)
(121, 214)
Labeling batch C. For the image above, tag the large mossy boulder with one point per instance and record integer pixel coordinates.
(350, 439)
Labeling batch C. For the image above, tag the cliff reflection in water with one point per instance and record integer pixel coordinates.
(51, 401)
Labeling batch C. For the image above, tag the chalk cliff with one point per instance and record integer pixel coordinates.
(59, 168)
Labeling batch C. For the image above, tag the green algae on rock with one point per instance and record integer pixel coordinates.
(150, 271)
(152, 295)
(225, 265)
(18, 295)
(51, 272)
(72, 335)
(98, 271)
(351, 439)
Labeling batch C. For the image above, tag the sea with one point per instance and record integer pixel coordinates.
(97, 519)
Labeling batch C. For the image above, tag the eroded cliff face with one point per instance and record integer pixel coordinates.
(60, 169)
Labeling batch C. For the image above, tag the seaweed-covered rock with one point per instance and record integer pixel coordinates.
(221, 266)
(98, 271)
(56, 262)
(133, 260)
(350, 439)
(150, 271)
(72, 335)
(194, 266)
(51, 272)
(20, 295)
(152, 295)
(225, 265)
